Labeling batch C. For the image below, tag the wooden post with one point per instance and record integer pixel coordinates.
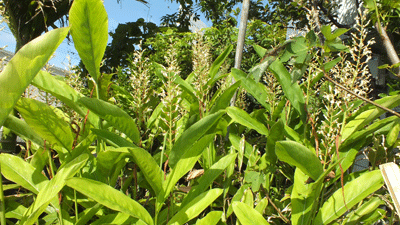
(391, 175)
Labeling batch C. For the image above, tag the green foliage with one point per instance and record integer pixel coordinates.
(171, 150)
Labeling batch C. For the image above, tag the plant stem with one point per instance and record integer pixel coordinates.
(360, 97)
(76, 208)
(3, 205)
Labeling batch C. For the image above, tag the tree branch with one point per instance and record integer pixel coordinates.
(388, 45)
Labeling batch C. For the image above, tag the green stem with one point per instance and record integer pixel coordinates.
(3, 205)
(76, 208)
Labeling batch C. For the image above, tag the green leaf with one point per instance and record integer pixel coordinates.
(259, 50)
(257, 90)
(211, 218)
(14, 210)
(303, 198)
(243, 118)
(64, 93)
(116, 218)
(247, 215)
(50, 191)
(329, 65)
(291, 89)
(257, 71)
(224, 99)
(186, 162)
(185, 86)
(393, 134)
(20, 172)
(217, 64)
(327, 32)
(109, 197)
(368, 207)
(22, 129)
(354, 192)
(24, 66)
(368, 115)
(89, 30)
(113, 138)
(191, 135)
(150, 169)
(44, 121)
(300, 156)
(195, 207)
(276, 134)
(209, 176)
(114, 115)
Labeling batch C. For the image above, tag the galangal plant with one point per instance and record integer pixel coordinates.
(67, 180)
(284, 162)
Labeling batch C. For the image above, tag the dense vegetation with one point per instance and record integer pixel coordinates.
(172, 134)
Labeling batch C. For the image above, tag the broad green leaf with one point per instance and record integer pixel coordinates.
(108, 163)
(64, 93)
(209, 176)
(305, 195)
(327, 32)
(237, 197)
(191, 135)
(248, 149)
(224, 99)
(242, 117)
(393, 134)
(329, 65)
(339, 32)
(298, 155)
(211, 218)
(89, 30)
(22, 129)
(257, 71)
(155, 116)
(185, 86)
(259, 50)
(368, 115)
(24, 66)
(14, 210)
(366, 208)
(50, 191)
(303, 198)
(195, 207)
(261, 205)
(114, 115)
(247, 215)
(113, 138)
(109, 197)
(89, 213)
(186, 162)
(20, 172)
(276, 134)
(291, 89)
(217, 64)
(150, 169)
(44, 121)
(354, 192)
(116, 218)
(256, 89)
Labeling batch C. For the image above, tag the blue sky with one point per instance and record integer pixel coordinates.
(125, 11)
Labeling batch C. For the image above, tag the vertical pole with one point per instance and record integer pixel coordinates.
(240, 42)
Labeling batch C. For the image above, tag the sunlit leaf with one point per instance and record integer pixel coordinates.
(24, 66)
(89, 30)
